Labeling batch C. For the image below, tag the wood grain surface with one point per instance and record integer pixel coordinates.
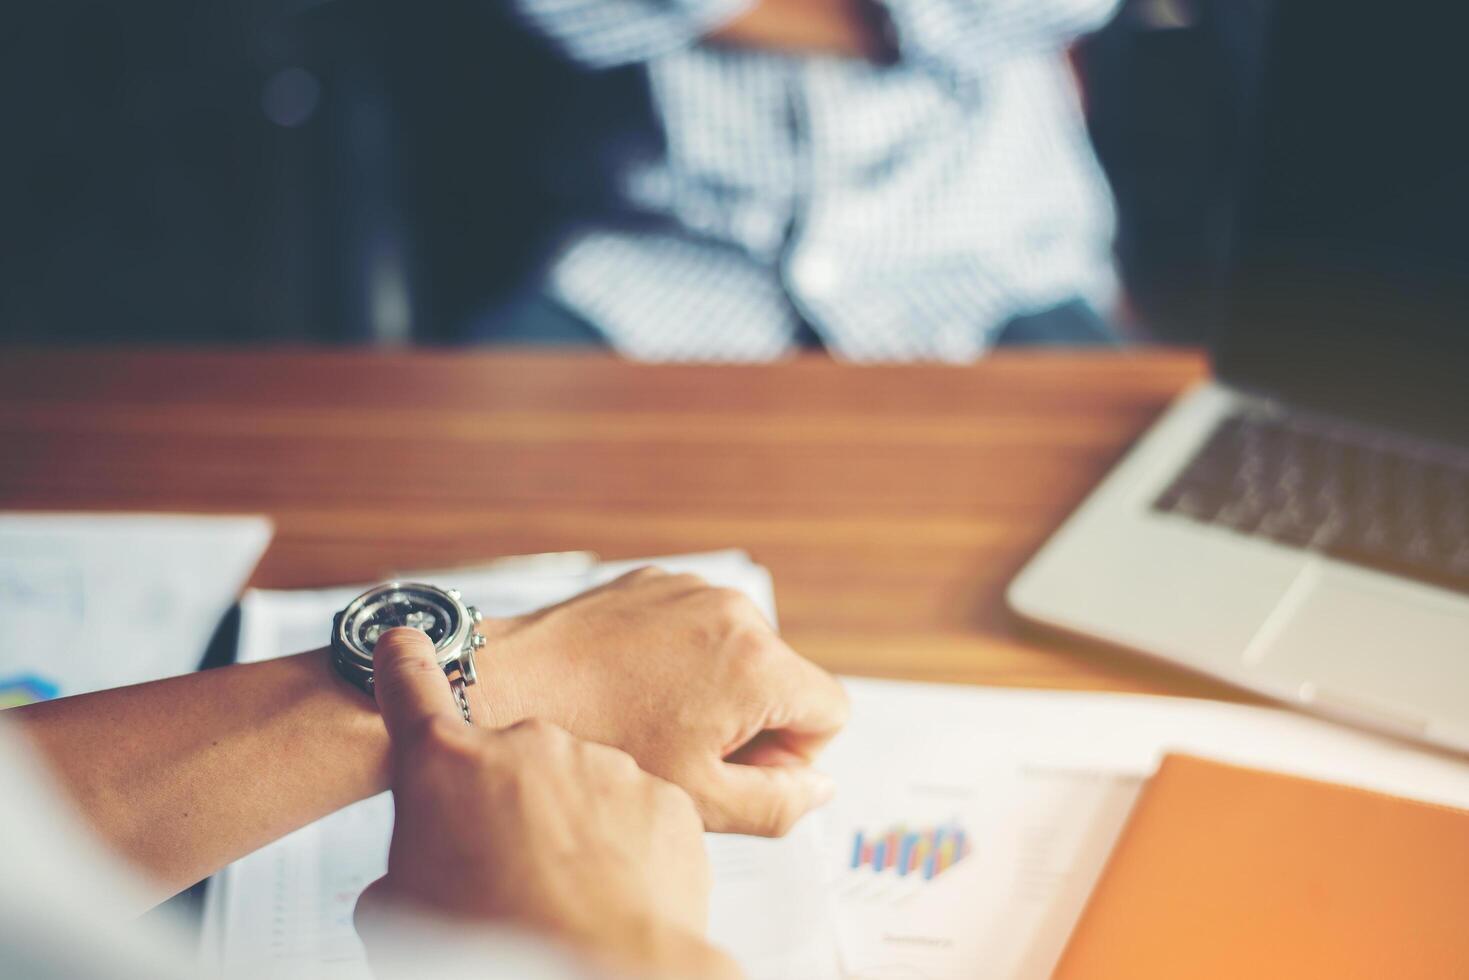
(892, 504)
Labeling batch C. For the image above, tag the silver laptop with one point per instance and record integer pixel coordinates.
(1299, 526)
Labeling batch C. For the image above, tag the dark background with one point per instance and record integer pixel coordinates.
(1349, 278)
(361, 170)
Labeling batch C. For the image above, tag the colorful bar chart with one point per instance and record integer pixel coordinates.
(922, 853)
(25, 689)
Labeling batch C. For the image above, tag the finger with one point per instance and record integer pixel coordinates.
(804, 704)
(767, 800)
(770, 748)
(409, 683)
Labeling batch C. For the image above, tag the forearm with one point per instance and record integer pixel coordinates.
(840, 28)
(184, 775)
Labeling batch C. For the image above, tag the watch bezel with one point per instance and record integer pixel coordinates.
(447, 651)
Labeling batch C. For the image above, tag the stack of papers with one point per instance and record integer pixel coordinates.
(969, 827)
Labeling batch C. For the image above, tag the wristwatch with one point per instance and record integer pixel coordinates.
(440, 613)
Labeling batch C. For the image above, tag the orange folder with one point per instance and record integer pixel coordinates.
(1229, 872)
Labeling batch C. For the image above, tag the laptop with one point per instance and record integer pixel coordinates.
(1299, 524)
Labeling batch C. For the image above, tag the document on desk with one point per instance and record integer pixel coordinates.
(969, 826)
(971, 823)
(288, 907)
(92, 601)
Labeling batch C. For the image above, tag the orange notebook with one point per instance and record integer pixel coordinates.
(1230, 872)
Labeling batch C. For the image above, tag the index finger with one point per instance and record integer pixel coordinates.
(409, 684)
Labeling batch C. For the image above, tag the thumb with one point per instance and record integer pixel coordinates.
(409, 684)
(768, 800)
(371, 904)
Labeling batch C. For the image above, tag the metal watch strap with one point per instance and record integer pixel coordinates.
(461, 694)
(363, 680)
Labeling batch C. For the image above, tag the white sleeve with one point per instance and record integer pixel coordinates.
(963, 38)
(406, 946)
(607, 33)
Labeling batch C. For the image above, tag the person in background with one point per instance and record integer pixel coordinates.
(896, 180)
(518, 854)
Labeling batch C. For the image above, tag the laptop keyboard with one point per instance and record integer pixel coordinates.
(1311, 485)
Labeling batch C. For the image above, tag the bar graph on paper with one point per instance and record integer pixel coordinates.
(913, 853)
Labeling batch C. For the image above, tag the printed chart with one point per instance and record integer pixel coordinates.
(924, 853)
(26, 689)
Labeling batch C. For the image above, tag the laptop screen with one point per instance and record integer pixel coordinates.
(1349, 285)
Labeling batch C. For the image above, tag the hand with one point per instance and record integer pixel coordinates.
(533, 828)
(692, 681)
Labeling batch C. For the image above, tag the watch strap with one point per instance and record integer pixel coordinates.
(461, 694)
(362, 678)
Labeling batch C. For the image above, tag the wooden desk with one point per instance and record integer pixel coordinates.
(892, 504)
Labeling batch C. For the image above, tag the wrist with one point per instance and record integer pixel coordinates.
(351, 717)
(501, 694)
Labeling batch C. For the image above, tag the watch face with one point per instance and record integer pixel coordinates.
(422, 609)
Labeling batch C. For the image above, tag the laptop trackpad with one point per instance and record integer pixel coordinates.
(1372, 646)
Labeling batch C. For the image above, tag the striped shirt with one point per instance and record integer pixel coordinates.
(904, 212)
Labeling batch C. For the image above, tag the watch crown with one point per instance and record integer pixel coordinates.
(477, 641)
(475, 616)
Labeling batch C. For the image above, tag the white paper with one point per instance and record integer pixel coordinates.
(1041, 782)
(770, 907)
(288, 907)
(94, 601)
